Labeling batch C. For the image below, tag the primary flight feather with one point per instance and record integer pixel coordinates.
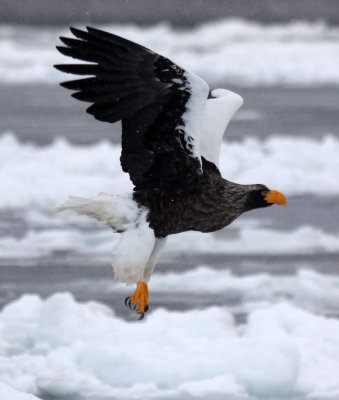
(172, 129)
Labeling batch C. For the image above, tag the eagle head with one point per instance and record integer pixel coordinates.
(260, 196)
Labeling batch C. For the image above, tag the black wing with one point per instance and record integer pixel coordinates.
(159, 103)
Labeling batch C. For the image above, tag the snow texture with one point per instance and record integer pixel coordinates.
(100, 243)
(84, 171)
(7, 393)
(282, 350)
(308, 289)
(231, 51)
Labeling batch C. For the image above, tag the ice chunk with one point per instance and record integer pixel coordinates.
(231, 51)
(278, 162)
(281, 351)
(7, 393)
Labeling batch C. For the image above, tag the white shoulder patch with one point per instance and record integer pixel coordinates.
(194, 113)
(218, 112)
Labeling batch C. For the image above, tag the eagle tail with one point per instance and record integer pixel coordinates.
(116, 211)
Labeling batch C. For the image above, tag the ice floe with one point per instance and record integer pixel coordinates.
(230, 51)
(8, 393)
(95, 243)
(62, 349)
(309, 289)
(43, 177)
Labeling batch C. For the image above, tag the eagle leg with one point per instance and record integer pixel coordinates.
(139, 299)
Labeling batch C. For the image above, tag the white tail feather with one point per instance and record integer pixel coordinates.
(114, 210)
(132, 253)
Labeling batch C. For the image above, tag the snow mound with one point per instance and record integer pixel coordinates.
(7, 393)
(309, 289)
(230, 51)
(281, 351)
(303, 240)
(87, 170)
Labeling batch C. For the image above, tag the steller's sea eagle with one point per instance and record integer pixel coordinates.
(172, 129)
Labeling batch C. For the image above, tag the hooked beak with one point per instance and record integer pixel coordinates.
(275, 197)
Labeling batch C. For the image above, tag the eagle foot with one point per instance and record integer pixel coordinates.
(139, 300)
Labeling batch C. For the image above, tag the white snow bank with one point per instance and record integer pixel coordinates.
(61, 348)
(303, 240)
(7, 393)
(309, 289)
(46, 176)
(43, 177)
(229, 51)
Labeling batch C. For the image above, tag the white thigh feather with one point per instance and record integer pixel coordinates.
(136, 253)
(133, 251)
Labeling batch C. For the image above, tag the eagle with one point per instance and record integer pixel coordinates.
(172, 129)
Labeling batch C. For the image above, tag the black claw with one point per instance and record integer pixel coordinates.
(142, 314)
(130, 304)
(133, 307)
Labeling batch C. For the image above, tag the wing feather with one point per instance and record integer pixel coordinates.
(160, 105)
(219, 110)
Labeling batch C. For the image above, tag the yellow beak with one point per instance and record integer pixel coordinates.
(273, 196)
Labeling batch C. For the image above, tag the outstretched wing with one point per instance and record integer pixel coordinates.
(160, 105)
(219, 110)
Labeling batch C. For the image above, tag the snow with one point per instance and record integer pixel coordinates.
(74, 170)
(85, 171)
(281, 350)
(100, 243)
(7, 393)
(302, 240)
(231, 51)
(309, 289)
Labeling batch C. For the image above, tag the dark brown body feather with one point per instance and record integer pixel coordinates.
(211, 205)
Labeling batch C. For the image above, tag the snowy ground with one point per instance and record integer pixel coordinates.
(64, 349)
(249, 313)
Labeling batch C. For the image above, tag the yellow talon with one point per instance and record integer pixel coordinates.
(140, 296)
